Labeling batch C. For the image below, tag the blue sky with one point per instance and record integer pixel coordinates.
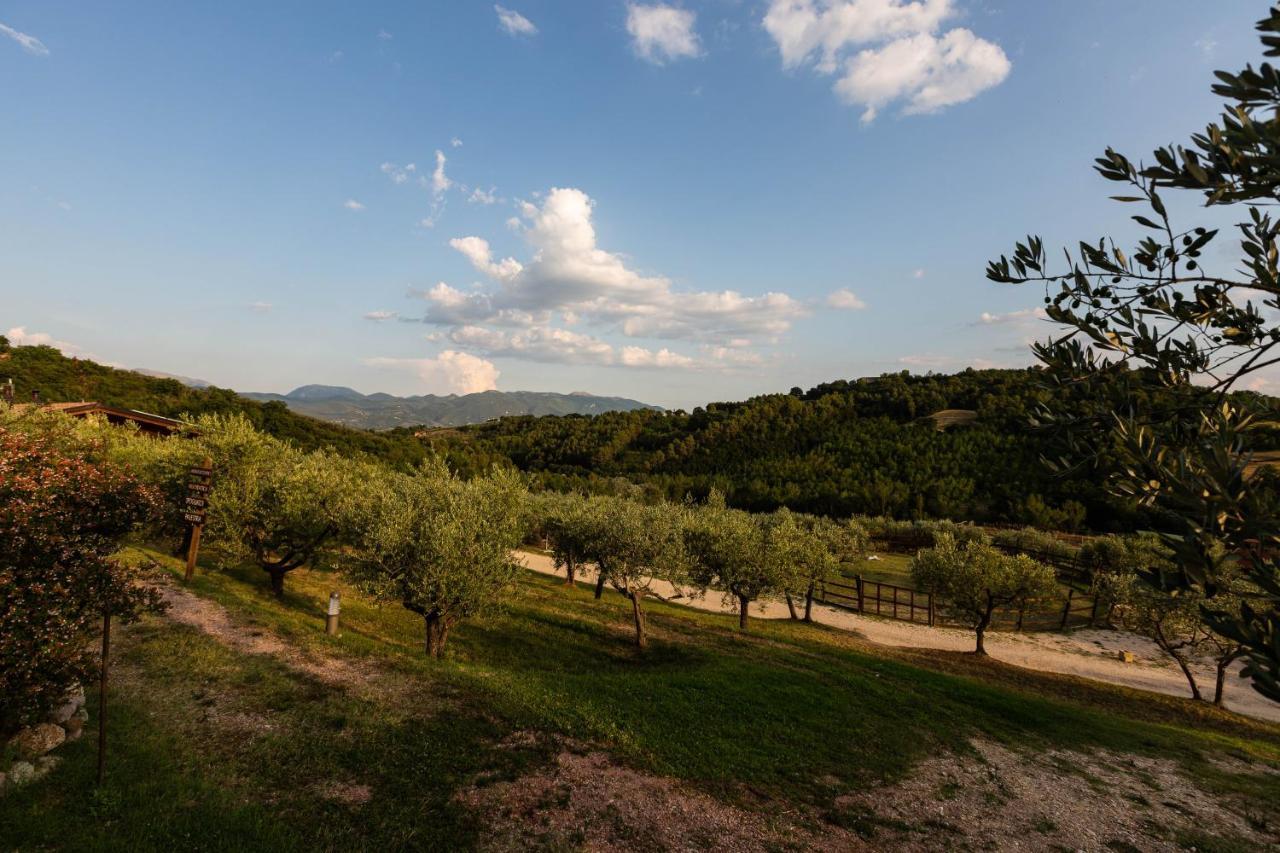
(679, 204)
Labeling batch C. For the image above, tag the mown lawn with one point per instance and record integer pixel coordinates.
(214, 749)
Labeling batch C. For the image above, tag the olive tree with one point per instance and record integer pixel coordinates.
(440, 546)
(569, 521)
(1178, 314)
(833, 543)
(634, 545)
(746, 556)
(1175, 620)
(974, 579)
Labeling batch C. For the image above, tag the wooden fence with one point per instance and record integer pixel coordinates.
(880, 599)
(913, 605)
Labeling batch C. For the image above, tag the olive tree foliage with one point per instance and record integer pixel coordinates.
(634, 545)
(745, 555)
(833, 544)
(1175, 620)
(440, 546)
(569, 521)
(1157, 316)
(974, 579)
(270, 503)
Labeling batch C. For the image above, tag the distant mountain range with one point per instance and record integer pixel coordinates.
(384, 411)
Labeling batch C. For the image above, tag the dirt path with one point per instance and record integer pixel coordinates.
(1089, 653)
(213, 619)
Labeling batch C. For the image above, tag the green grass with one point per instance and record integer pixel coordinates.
(766, 720)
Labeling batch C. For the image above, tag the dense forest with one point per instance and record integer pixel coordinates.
(870, 446)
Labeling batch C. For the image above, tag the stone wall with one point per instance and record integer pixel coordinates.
(30, 748)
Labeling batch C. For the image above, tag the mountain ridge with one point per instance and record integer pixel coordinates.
(346, 406)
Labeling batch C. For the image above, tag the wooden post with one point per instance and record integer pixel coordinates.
(102, 698)
(930, 602)
(1066, 610)
(196, 526)
(1093, 613)
(857, 580)
(331, 618)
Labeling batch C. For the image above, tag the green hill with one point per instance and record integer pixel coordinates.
(58, 378)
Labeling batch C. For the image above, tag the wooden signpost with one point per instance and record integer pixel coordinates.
(196, 507)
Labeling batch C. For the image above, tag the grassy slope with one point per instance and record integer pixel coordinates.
(759, 720)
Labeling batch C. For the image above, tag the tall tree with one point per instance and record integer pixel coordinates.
(1156, 317)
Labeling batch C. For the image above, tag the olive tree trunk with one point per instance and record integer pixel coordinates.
(743, 601)
(637, 611)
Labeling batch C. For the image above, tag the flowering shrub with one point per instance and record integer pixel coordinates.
(61, 518)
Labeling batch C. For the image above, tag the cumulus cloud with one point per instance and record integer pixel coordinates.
(455, 142)
(563, 346)
(513, 23)
(482, 196)
(845, 299)
(661, 33)
(30, 44)
(440, 182)
(352, 204)
(450, 372)
(887, 51)
(569, 272)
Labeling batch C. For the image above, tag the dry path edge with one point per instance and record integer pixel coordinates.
(1088, 652)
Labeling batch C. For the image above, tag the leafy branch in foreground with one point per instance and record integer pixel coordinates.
(1156, 318)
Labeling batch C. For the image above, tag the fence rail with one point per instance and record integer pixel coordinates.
(881, 599)
(912, 605)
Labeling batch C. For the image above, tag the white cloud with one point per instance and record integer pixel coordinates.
(260, 307)
(455, 142)
(381, 316)
(476, 250)
(398, 174)
(569, 272)
(1026, 314)
(661, 33)
(383, 35)
(845, 299)
(486, 197)
(640, 357)
(928, 73)
(30, 44)
(885, 51)
(352, 204)
(450, 372)
(20, 337)
(513, 23)
(440, 182)
(918, 273)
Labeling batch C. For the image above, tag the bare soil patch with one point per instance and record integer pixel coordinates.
(1005, 800)
(992, 799)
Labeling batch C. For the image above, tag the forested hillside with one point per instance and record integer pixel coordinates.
(59, 378)
(867, 447)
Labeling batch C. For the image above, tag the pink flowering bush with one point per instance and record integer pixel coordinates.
(62, 517)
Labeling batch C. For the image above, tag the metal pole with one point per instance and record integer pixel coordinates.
(102, 698)
(331, 618)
